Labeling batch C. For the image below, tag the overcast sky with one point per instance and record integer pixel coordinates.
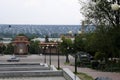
(40, 12)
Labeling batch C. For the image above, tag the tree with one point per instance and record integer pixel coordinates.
(90, 43)
(34, 47)
(99, 56)
(79, 43)
(46, 38)
(9, 49)
(99, 12)
(2, 49)
(106, 37)
(66, 47)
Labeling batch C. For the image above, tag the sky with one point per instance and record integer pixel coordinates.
(45, 12)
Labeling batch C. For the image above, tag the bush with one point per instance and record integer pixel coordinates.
(95, 64)
(99, 56)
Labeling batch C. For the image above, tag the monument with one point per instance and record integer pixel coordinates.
(20, 44)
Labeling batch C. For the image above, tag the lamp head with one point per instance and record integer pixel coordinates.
(79, 32)
(70, 32)
(115, 6)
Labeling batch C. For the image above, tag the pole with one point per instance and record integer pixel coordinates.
(58, 59)
(117, 13)
(75, 63)
(45, 54)
(50, 55)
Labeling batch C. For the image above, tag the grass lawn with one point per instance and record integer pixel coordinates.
(84, 76)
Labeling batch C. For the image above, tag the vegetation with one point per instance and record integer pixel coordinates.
(34, 47)
(99, 12)
(9, 49)
(46, 38)
(66, 47)
(2, 49)
(104, 41)
(79, 43)
(84, 76)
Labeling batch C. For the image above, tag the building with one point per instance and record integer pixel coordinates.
(1, 44)
(20, 44)
(5, 41)
(50, 47)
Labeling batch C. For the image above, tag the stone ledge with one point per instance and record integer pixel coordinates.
(53, 68)
(23, 68)
(69, 75)
(30, 73)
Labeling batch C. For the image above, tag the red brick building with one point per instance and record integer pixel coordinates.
(20, 44)
(1, 44)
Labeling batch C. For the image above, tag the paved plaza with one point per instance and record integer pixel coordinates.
(34, 78)
(40, 59)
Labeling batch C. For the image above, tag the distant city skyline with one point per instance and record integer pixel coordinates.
(44, 12)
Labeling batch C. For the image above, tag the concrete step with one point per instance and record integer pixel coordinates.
(23, 68)
(42, 73)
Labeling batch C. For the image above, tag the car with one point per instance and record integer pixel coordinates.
(13, 59)
(84, 56)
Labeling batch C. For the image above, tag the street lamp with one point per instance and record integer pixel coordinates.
(75, 63)
(79, 32)
(115, 6)
(67, 55)
(58, 54)
(70, 33)
(43, 48)
(50, 46)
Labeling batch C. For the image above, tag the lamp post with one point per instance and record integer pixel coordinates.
(58, 58)
(75, 63)
(50, 56)
(50, 46)
(67, 55)
(43, 48)
(69, 35)
(70, 32)
(79, 32)
(115, 7)
(58, 54)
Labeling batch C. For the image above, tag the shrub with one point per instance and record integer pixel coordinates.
(99, 56)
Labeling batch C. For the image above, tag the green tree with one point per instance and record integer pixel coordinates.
(80, 42)
(34, 47)
(46, 38)
(99, 56)
(2, 49)
(99, 12)
(21, 34)
(66, 47)
(106, 37)
(89, 43)
(9, 49)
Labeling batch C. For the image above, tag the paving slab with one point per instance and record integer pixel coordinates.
(40, 59)
(34, 78)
